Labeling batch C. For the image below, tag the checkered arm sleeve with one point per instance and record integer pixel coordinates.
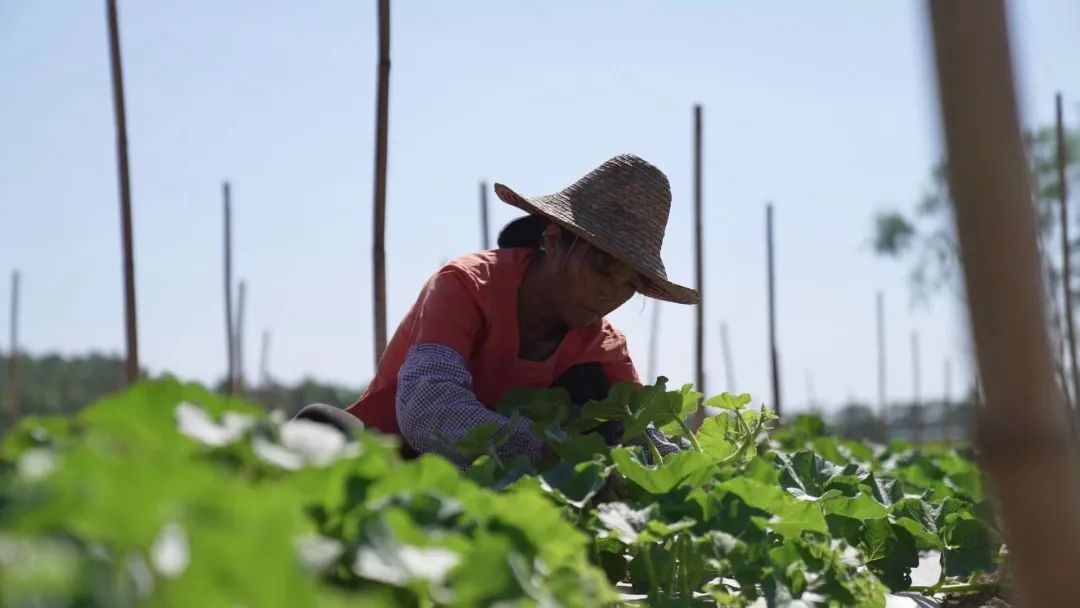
(436, 402)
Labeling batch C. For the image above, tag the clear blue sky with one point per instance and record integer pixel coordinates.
(825, 108)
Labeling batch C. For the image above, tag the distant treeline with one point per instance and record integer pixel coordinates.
(52, 385)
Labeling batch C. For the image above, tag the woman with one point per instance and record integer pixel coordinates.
(529, 314)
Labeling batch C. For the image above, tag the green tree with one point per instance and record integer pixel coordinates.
(925, 236)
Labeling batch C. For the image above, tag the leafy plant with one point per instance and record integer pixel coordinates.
(167, 494)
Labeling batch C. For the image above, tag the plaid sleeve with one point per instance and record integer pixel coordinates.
(436, 402)
(664, 444)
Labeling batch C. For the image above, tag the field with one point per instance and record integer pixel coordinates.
(169, 495)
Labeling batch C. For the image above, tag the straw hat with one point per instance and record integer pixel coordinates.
(621, 207)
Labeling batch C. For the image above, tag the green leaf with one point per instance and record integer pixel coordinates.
(970, 546)
(542, 407)
(728, 401)
(476, 441)
(579, 448)
(790, 516)
(575, 484)
(691, 468)
(860, 507)
(713, 439)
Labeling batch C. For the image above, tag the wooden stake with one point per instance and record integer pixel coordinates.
(1063, 192)
(773, 355)
(883, 406)
(378, 254)
(230, 334)
(1022, 425)
(125, 195)
(654, 341)
(484, 230)
(13, 360)
(699, 270)
(729, 359)
(916, 395)
(238, 381)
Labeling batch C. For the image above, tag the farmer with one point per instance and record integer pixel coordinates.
(529, 314)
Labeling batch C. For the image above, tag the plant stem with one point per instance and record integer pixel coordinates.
(657, 457)
(747, 441)
(654, 595)
(961, 588)
(689, 434)
(684, 563)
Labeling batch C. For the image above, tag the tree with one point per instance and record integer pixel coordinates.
(925, 236)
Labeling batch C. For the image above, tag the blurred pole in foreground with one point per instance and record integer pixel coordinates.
(729, 359)
(230, 335)
(773, 356)
(131, 335)
(1022, 427)
(1063, 192)
(378, 253)
(13, 360)
(883, 407)
(654, 341)
(484, 230)
(699, 274)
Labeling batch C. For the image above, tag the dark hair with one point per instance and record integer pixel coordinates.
(528, 232)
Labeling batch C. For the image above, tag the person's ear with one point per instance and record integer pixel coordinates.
(549, 239)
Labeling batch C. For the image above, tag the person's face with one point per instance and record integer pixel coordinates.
(590, 284)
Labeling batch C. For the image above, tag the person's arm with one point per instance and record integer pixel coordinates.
(436, 401)
(436, 404)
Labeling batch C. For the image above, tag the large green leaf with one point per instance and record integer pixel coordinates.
(691, 468)
(728, 401)
(712, 436)
(789, 516)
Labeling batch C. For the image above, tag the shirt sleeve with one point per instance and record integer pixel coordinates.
(448, 313)
(436, 406)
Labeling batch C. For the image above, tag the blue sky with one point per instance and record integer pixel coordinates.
(825, 108)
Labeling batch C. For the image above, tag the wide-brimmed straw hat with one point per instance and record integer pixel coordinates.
(621, 207)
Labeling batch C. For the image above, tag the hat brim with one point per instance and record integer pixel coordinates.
(659, 288)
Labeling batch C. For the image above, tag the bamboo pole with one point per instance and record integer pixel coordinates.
(916, 394)
(485, 231)
(1063, 192)
(811, 400)
(699, 263)
(699, 275)
(654, 341)
(238, 380)
(13, 360)
(729, 360)
(773, 355)
(883, 406)
(1022, 426)
(230, 334)
(378, 254)
(132, 366)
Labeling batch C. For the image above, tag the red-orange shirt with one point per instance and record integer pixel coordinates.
(470, 306)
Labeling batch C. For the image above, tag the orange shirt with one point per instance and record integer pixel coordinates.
(470, 305)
